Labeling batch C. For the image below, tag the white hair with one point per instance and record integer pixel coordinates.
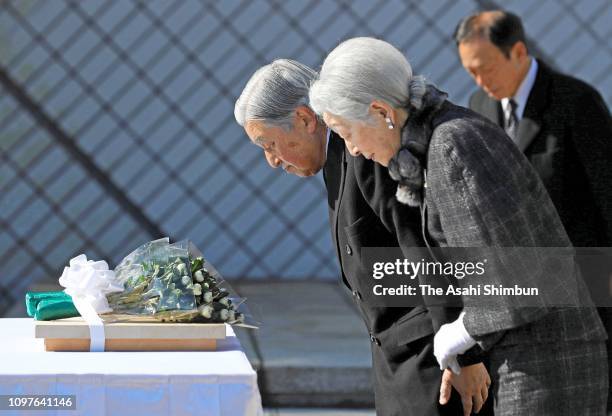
(274, 92)
(359, 71)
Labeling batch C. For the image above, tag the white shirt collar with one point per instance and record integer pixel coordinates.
(327, 142)
(522, 93)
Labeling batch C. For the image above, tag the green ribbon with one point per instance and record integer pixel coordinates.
(46, 306)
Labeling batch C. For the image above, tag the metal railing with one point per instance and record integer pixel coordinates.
(116, 121)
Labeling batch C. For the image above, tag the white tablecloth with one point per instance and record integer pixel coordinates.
(216, 383)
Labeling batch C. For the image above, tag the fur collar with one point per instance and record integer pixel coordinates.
(407, 166)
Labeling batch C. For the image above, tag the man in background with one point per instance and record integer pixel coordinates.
(562, 125)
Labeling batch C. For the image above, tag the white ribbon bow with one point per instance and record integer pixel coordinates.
(88, 282)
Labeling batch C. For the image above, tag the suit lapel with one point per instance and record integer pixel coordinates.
(334, 173)
(527, 131)
(492, 110)
(340, 191)
(531, 123)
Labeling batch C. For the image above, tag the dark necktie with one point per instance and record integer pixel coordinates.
(512, 121)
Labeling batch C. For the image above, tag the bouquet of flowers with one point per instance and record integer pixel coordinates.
(158, 281)
(173, 282)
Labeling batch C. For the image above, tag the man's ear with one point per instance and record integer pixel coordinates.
(382, 109)
(306, 118)
(519, 51)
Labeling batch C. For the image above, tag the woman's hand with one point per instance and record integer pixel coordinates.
(472, 384)
(452, 339)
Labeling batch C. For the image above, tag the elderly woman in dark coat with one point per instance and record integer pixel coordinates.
(481, 192)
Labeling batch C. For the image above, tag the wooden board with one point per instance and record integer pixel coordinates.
(72, 334)
(81, 344)
(77, 328)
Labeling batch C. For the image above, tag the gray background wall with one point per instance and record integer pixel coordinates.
(116, 121)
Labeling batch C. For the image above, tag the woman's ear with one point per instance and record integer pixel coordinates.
(306, 118)
(382, 109)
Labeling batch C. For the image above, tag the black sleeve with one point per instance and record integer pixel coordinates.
(472, 356)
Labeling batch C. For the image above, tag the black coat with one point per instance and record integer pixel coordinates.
(566, 133)
(406, 374)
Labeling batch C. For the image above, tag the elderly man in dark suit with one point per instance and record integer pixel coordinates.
(274, 112)
(560, 123)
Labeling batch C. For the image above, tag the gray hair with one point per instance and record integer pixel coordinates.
(361, 70)
(274, 92)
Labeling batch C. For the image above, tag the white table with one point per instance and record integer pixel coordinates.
(216, 383)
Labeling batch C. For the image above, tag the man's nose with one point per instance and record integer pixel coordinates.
(352, 149)
(273, 160)
(481, 81)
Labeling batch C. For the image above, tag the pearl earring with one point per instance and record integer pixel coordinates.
(389, 123)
